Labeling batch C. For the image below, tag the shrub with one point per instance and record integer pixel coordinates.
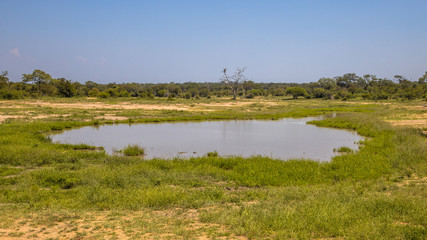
(296, 92)
(279, 92)
(94, 92)
(212, 154)
(103, 95)
(250, 95)
(258, 92)
(112, 92)
(318, 92)
(162, 93)
(11, 94)
(124, 93)
(187, 95)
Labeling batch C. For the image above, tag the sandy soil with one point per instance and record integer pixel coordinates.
(125, 105)
(112, 117)
(40, 116)
(4, 117)
(414, 123)
(413, 120)
(100, 107)
(109, 225)
(93, 105)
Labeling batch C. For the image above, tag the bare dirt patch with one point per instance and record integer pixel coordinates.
(4, 117)
(415, 123)
(101, 105)
(412, 120)
(227, 104)
(414, 180)
(415, 107)
(43, 116)
(112, 117)
(368, 103)
(32, 116)
(171, 224)
(238, 103)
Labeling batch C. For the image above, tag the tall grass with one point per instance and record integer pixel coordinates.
(133, 150)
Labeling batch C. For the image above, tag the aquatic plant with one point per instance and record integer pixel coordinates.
(133, 150)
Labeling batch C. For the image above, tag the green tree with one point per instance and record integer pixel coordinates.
(112, 92)
(279, 92)
(319, 92)
(103, 95)
(423, 79)
(124, 93)
(94, 92)
(65, 88)
(247, 86)
(38, 77)
(194, 92)
(162, 93)
(4, 80)
(176, 91)
(327, 83)
(296, 92)
(204, 92)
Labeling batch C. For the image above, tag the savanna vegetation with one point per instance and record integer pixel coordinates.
(63, 191)
(349, 86)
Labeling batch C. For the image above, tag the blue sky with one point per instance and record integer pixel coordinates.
(180, 41)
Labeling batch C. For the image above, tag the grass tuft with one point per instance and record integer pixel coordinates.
(133, 150)
(212, 154)
(343, 150)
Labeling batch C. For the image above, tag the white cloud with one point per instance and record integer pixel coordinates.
(15, 52)
(81, 59)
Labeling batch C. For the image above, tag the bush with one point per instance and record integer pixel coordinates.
(94, 92)
(279, 92)
(187, 95)
(258, 92)
(170, 98)
(250, 95)
(319, 92)
(328, 95)
(10, 94)
(103, 95)
(212, 154)
(112, 92)
(296, 92)
(162, 93)
(124, 94)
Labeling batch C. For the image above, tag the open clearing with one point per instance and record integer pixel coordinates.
(36, 109)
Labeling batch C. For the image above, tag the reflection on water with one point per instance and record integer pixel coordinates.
(282, 139)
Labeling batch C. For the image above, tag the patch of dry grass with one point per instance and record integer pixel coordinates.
(145, 224)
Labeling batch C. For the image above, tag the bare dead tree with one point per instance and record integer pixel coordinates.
(234, 81)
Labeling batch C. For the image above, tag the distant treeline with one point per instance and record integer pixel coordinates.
(40, 83)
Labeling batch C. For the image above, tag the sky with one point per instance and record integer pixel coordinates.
(181, 41)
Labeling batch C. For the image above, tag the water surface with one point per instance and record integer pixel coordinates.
(282, 139)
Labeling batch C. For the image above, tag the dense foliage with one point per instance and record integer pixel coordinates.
(39, 83)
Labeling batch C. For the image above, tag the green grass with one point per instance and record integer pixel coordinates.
(343, 150)
(358, 195)
(133, 150)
